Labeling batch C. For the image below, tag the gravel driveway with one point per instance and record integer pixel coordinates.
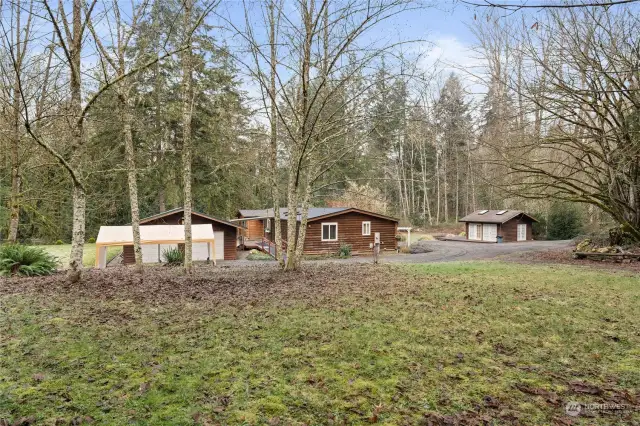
(446, 251)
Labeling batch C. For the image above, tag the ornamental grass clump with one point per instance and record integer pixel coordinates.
(173, 256)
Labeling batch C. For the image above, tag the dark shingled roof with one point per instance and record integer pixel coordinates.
(181, 209)
(314, 212)
(492, 216)
(284, 212)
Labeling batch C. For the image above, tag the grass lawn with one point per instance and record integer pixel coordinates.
(333, 344)
(63, 251)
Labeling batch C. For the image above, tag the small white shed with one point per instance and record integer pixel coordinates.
(155, 239)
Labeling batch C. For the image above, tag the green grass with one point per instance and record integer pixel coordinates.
(440, 338)
(63, 251)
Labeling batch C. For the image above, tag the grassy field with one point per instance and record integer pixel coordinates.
(63, 251)
(334, 344)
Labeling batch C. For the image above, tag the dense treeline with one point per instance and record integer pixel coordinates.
(107, 113)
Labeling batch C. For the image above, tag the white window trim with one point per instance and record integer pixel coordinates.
(367, 223)
(322, 231)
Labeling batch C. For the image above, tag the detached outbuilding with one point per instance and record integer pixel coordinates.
(154, 239)
(226, 234)
(494, 225)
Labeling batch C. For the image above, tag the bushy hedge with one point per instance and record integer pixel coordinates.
(565, 222)
(345, 250)
(17, 259)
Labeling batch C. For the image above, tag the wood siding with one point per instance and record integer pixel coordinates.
(255, 229)
(509, 230)
(230, 234)
(350, 232)
(128, 256)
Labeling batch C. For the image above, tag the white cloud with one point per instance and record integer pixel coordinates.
(448, 54)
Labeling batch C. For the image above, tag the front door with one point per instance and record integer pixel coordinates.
(522, 232)
(489, 232)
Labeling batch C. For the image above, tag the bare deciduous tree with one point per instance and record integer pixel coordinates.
(584, 79)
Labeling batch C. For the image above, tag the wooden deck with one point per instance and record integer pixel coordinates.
(263, 245)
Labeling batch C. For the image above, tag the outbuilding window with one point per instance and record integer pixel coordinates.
(330, 231)
(366, 228)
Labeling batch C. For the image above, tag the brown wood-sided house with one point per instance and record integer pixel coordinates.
(225, 232)
(327, 229)
(488, 225)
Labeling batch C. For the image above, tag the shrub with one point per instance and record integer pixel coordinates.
(17, 259)
(258, 255)
(405, 250)
(539, 228)
(565, 222)
(59, 242)
(91, 240)
(173, 256)
(345, 250)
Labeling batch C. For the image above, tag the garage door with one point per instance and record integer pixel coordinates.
(219, 242)
(489, 232)
(200, 251)
(149, 253)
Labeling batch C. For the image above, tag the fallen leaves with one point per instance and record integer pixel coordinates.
(582, 387)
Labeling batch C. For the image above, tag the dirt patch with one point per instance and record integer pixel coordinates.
(230, 286)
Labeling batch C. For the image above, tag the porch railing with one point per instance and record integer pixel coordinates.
(271, 249)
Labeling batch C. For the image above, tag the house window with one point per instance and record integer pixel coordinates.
(330, 231)
(366, 228)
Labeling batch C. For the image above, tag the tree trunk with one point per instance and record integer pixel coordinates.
(77, 236)
(79, 196)
(437, 185)
(187, 89)
(457, 187)
(127, 120)
(292, 203)
(14, 198)
(273, 146)
(446, 192)
(302, 229)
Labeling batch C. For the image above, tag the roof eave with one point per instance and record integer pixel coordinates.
(181, 209)
(350, 210)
